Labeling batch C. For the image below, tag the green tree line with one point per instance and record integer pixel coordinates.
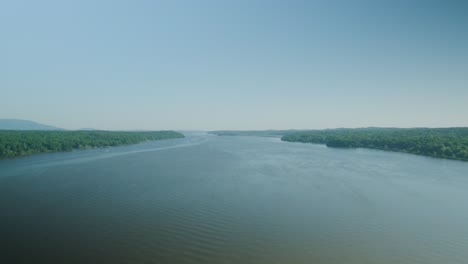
(21, 143)
(451, 143)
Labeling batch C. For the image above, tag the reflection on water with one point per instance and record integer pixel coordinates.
(208, 199)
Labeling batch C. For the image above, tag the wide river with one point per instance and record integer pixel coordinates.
(210, 199)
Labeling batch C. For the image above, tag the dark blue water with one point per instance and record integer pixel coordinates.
(209, 199)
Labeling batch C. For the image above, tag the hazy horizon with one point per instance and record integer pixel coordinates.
(208, 130)
(239, 65)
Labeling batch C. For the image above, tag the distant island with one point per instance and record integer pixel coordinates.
(14, 143)
(258, 133)
(449, 143)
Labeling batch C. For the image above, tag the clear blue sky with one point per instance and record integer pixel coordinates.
(234, 64)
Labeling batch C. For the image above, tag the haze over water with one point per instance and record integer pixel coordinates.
(209, 199)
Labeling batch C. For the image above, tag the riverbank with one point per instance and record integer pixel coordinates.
(15, 143)
(447, 143)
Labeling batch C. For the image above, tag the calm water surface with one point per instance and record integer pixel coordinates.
(209, 199)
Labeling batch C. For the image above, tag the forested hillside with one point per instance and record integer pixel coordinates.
(22, 143)
(449, 143)
(19, 124)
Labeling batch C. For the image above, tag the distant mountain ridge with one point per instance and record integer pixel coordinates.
(19, 124)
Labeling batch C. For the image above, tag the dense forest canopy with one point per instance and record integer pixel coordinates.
(15, 143)
(449, 143)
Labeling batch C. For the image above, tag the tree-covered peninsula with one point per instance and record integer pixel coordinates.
(450, 143)
(15, 143)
